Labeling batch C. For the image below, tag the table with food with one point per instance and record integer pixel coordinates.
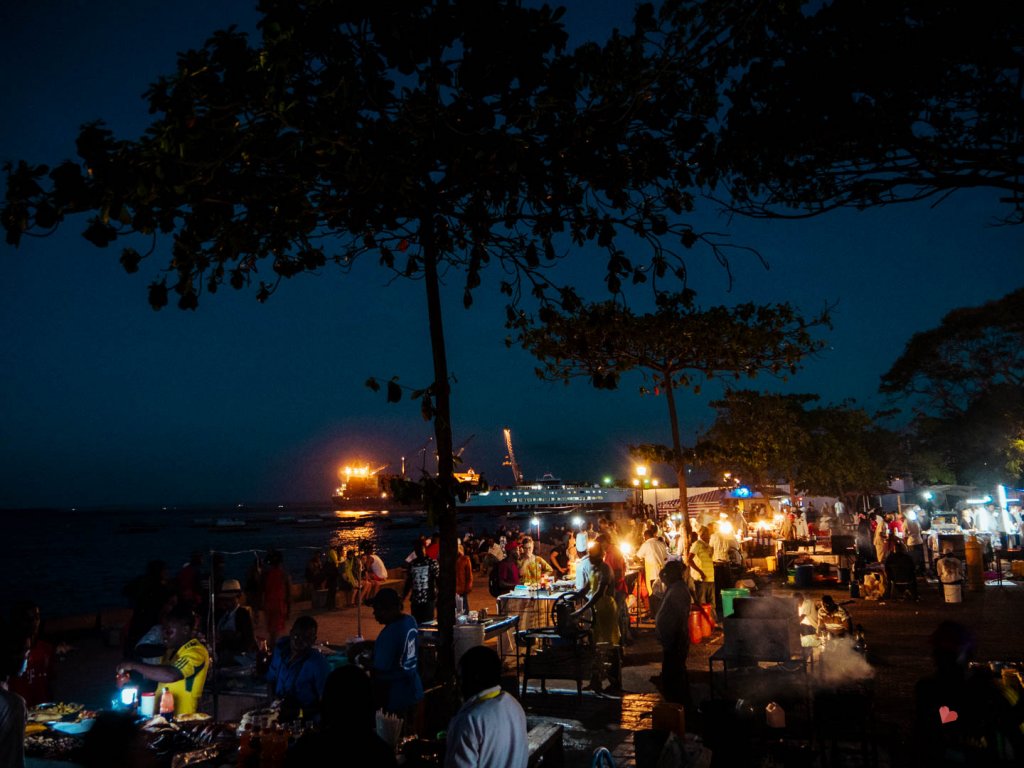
(533, 604)
(248, 729)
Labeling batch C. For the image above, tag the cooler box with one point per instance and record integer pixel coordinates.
(728, 595)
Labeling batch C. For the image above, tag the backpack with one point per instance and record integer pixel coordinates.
(494, 582)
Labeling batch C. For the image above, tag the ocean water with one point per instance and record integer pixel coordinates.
(76, 562)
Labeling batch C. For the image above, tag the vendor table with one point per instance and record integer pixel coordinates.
(803, 659)
(533, 607)
(501, 627)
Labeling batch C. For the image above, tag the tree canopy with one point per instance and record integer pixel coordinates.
(835, 450)
(436, 137)
(679, 345)
(859, 103)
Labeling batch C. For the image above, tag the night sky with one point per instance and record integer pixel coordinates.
(105, 402)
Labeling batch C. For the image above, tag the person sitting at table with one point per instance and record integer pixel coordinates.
(508, 569)
(531, 567)
(235, 634)
(298, 671)
(348, 725)
(185, 663)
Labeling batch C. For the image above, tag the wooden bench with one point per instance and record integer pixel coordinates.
(545, 743)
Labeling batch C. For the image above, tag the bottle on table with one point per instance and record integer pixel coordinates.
(166, 702)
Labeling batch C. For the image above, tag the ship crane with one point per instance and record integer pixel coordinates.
(510, 459)
(458, 451)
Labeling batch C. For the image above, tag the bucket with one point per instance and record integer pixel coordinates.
(791, 576)
(952, 592)
(728, 595)
(804, 576)
(771, 564)
(775, 716)
(696, 626)
(707, 610)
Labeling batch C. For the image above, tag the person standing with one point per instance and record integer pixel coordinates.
(702, 570)
(559, 557)
(351, 576)
(185, 665)
(670, 627)
(35, 681)
(654, 553)
(880, 540)
(606, 629)
(277, 595)
(463, 579)
(914, 540)
(398, 688)
(489, 730)
(421, 584)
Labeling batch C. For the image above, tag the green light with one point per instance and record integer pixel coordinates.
(607, 481)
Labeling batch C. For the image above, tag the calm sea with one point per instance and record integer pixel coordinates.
(76, 562)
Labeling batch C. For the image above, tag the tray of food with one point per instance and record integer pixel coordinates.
(52, 711)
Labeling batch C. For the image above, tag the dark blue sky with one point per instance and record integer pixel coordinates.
(104, 401)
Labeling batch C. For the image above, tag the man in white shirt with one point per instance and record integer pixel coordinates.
(489, 730)
(654, 553)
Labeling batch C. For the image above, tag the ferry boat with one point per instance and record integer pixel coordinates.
(549, 495)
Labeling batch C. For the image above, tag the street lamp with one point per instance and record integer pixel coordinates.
(640, 470)
(655, 484)
(536, 524)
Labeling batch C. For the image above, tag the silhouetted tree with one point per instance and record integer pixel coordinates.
(677, 346)
(434, 136)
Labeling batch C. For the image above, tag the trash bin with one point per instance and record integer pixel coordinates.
(728, 595)
(844, 576)
(467, 636)
(804, 576)
(953, 592)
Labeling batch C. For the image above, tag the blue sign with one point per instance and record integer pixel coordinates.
(740, 493)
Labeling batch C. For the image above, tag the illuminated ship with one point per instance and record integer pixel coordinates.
(548, 495)
(363, 488)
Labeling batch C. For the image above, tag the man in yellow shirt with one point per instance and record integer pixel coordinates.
(184, 666)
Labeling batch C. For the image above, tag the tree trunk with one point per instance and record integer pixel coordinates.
(441, 503)
(680, 462)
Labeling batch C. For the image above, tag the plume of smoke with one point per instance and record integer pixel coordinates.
(841, 665)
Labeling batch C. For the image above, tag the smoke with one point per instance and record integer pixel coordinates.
(840, 665)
